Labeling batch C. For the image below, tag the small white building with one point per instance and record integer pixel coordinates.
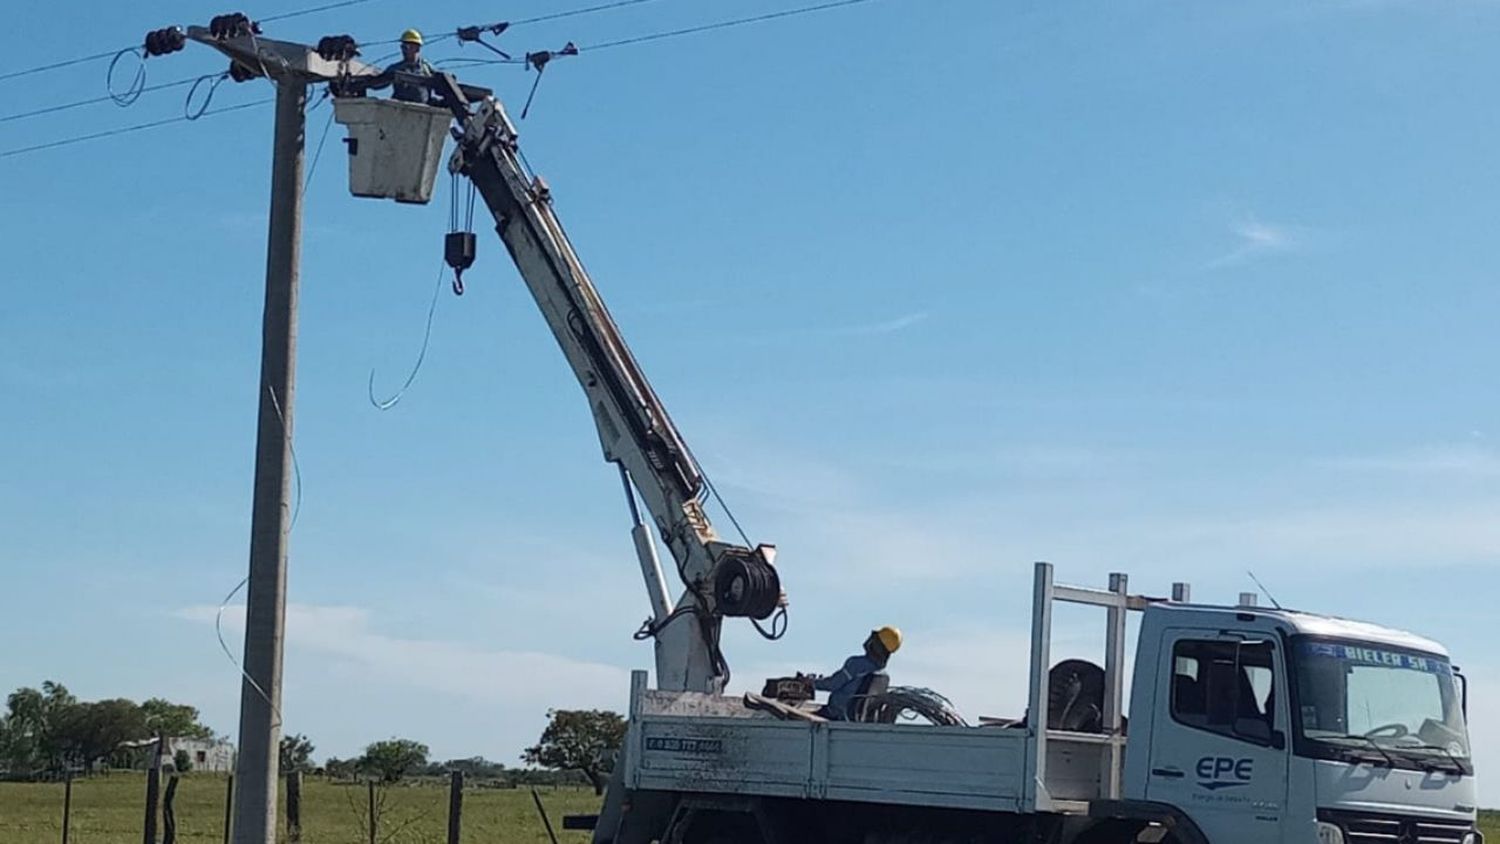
(215, 756)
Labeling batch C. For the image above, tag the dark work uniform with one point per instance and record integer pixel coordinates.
(405, 92)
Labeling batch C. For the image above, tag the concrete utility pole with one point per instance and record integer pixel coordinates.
(292, 67)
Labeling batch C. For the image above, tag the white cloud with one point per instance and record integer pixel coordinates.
(1256, 239)
(524, 680)
(889, 326)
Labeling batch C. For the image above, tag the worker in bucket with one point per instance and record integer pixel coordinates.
(411, 63)
(849, 684)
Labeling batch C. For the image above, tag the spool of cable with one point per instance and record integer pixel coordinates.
(746, 586)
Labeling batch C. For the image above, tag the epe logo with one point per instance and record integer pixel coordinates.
(1219, 772)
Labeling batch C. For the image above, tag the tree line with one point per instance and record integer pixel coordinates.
(577, 746)
(48, 731)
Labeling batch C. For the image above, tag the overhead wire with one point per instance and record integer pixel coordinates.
(603, 7)
(62, 64)
(109, 133)
(176, 83)
(93, 57)
(187, 103)
(311, 11)
(692, 30)
(137, 84)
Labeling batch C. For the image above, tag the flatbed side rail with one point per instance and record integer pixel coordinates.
(1118, 603)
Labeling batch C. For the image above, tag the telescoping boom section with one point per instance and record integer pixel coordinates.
(718, 578)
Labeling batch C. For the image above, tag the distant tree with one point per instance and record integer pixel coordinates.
(174, 720)
(476, 767)
(31, 720)
(86, 732)
(296, 753)
(392, 759)
(341, 768)
(583, 740)
(182, 761)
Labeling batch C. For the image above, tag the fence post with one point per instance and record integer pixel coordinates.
(169, 812)
(537, 798)
(153, 794)
(294, 807)
(67, 805)
(372, 812)
(228, 805)
(455, 807)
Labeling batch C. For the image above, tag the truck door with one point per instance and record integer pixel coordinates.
(1219, 747)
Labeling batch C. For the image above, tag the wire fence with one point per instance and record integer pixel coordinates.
(123, 807)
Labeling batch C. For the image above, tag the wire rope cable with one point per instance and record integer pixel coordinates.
(388, 403)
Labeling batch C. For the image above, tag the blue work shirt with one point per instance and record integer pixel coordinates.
(845, 685)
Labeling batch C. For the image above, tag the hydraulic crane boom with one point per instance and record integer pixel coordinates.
(720, 578)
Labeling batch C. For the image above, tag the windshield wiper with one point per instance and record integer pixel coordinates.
(1389, 759)
(1458, 765)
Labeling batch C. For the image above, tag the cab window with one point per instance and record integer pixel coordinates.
(1225, 687)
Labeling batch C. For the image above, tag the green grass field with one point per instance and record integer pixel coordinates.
(111, 810)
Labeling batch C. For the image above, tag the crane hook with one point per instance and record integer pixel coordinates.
(458, 250)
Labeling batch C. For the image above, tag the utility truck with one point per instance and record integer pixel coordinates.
(1245, 724)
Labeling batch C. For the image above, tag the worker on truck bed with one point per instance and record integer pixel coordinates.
(850, 683)
(412, 63)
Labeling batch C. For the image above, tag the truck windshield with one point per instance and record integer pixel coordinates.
(1378, 703)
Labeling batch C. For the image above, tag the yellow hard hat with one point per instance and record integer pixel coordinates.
(890, 638)
(411, 36)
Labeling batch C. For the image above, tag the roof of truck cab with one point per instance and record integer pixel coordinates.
(1324, 626)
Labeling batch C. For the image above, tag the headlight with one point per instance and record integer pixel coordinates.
(1329, 833)
(1473, 838)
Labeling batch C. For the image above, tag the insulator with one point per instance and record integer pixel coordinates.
(234, 25)
(160, 42)
(240, 73)
(337, 48)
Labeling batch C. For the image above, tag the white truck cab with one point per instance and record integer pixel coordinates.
(1271, 725)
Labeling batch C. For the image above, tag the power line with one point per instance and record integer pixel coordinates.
(111, 53)
(314, 10)
(786, 13)
(92, 100)
(69, 63)
(551, 16)
(674, 33)
(573, 12)
(126, 129)
(640, 39)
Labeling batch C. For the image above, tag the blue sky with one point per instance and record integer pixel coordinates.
(934, 290)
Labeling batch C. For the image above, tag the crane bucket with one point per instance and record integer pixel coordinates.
(394, 147)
